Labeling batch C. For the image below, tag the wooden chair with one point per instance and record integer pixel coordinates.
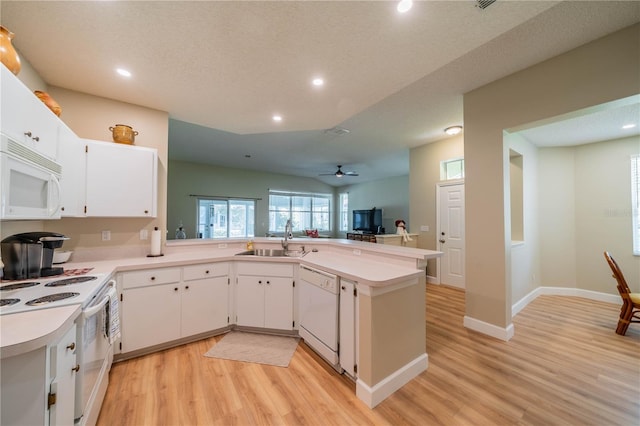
(630, 311)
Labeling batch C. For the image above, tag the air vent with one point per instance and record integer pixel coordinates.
(337, 131)
(483, 4)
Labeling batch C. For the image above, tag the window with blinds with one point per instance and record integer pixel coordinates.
(635, 202)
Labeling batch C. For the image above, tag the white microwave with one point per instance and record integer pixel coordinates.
(29, 183)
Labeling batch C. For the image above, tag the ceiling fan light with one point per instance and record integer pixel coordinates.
(453, 130)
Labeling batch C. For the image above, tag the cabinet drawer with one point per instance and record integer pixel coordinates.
(150, 277)
(206, 270)
(264, 269)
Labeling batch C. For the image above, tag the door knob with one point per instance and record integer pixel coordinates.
(442, 241)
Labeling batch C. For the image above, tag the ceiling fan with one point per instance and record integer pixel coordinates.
(339, 173)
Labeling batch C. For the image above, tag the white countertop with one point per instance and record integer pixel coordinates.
(23, 332)
(27, 331)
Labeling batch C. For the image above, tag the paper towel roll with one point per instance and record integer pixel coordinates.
(156, 242)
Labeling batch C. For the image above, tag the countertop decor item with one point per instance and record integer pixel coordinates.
(8, 55)
(49, 102)
(123, 134)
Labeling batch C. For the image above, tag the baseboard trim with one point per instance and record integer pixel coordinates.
(563, 291)
(432, 280)
(373, 396)
(492, 330)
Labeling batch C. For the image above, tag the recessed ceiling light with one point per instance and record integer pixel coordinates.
(404, 6)
(123, 72)
(318, 82)
(277, 118)
(628, 126)
(453, 130)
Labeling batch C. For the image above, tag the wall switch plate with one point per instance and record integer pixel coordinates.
(106, 235)
(424, 228)
(144, 234)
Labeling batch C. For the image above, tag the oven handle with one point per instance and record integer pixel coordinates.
(92, 310)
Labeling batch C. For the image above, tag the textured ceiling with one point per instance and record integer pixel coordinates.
(222, 69)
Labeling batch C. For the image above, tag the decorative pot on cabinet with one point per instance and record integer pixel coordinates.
(123, 134)
(49, 102)
(8, 55)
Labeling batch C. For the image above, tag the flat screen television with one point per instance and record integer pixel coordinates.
(368, 221)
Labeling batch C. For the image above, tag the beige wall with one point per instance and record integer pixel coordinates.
(598, 72)
(423, 176)
(390, 194)
(391, 331)
(90, 117)
(200, 179)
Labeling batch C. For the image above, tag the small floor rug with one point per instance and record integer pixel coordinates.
(258, 348)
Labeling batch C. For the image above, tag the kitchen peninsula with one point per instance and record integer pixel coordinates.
(389, 307)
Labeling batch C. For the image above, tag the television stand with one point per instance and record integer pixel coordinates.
(358, 236)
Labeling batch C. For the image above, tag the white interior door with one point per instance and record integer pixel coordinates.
(451, 234)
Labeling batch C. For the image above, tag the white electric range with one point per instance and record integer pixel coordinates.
(49, 292)
(96, 328)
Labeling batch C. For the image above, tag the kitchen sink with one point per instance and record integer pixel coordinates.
(272, 253)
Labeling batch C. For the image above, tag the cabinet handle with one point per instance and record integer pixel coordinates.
(186, 287)
(259, 282)
(72, 346)
(36, 138)
(343, 287)
(206, 272)
(175, 289)
(268, 282)
(146, 211)
(28, 134)
(153, 278)
(76, 368)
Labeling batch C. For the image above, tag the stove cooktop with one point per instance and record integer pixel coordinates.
(49, 292)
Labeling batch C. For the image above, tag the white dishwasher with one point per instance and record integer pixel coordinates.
(319, 298)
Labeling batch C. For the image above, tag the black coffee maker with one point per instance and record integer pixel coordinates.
(30, 255)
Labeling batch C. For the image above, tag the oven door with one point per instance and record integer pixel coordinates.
(94, 357)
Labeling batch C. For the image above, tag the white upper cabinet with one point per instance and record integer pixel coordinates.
(122, 180)
(71, 155)
(25, 118)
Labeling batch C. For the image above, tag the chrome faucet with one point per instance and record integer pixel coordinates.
(288, 234)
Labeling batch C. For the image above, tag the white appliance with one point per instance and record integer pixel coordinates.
(319, 298)
(94, 352)
(29, 183)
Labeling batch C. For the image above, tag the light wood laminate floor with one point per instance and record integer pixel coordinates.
(564, 366)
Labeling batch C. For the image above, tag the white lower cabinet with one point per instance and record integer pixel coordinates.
(38, 387)
(162, 305)
(264, 295)
(348, 358)
(62, 388)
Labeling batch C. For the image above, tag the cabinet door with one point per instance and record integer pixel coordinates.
(150, 316)
(278, 303)
(250, 301)
(121, 180)
(63, 375)
(71, 156)
(25, 118)
(347, 327)
(204, 305)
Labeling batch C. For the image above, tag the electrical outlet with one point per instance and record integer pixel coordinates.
(424, 228)
(144, 234)
(106, 235)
